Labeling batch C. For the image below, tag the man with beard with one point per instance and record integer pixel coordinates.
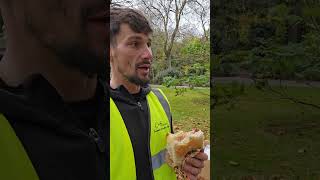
(139, 116)
(53, 119)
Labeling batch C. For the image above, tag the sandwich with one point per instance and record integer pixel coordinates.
(182, 145)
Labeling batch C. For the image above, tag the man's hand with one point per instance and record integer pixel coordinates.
(193, 166)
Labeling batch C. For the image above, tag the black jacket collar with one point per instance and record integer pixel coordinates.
(39, 103)
(122, 94)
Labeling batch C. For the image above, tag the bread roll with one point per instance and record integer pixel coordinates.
(181, 144)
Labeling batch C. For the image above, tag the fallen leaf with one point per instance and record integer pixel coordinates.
(233, 163)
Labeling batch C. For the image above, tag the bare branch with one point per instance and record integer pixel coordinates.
(169, 12)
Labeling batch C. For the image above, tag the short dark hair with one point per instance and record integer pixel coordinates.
(135, 19)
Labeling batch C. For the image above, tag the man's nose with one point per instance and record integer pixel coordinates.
(147, 54)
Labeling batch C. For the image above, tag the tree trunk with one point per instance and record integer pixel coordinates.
(168, 59)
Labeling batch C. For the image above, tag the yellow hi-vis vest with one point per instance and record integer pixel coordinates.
(14, 161)
(122, 161)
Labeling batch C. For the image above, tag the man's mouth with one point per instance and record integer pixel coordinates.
(145, 68)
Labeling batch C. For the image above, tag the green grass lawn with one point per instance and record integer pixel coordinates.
(190, 110)
(265, 135)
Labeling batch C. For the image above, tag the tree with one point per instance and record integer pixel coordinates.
(169, 13)
(201, 8)
(120, 2)
(177, 45)
(268, 39)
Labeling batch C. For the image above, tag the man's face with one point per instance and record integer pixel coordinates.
(131, 56)
(74, 30)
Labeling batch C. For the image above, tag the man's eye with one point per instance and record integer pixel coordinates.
(133, 44)
(149, 44)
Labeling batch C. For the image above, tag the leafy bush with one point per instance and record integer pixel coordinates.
(169, 81)
(279, 62)
(312, 74)
(198, 81)
(260, 32)
(196, 69)
(159, 79)
(235, 57)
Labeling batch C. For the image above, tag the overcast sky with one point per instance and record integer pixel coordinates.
(190, 20)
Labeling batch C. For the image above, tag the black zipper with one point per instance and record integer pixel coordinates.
(140, 106)
(93, 135)
(97, 139)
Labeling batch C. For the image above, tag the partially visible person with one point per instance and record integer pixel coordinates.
(140, 117)
(53, 99)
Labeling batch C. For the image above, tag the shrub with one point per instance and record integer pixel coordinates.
(312, 74)
(173, 72)
(198, 81)
(169, 81)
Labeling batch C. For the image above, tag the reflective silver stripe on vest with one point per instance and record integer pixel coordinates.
(158, 159)
(164, 103)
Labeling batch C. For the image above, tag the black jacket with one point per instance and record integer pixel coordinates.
(63, 141)
(135, 113)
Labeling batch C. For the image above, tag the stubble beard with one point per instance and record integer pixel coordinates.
(75, 54)
(138, 81)
(134, 79)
